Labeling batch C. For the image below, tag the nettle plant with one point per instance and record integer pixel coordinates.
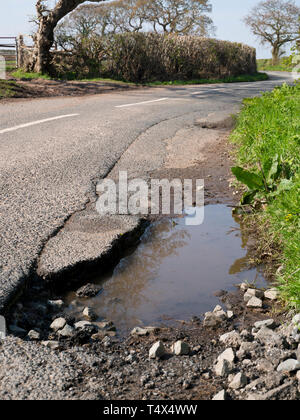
(274, 177)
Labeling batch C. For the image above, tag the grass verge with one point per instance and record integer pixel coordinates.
(266, 65)
(8, 89)
(268, 127)
(19, 74)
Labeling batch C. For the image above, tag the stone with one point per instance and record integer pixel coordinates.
(296, 319)
(230, 314)
(58, 324)
(247, 349)
(157, 350)
(34, 335)
(222, 368)
(2, 328)
(269, 337)
(105, 325)
(56, 304)
(211, 320)
(290, 365)
(221, 315)
(88, 291)
(181, 348)
(232, 339)
(247, 297)
(81, 325)
(66, 332)
(251, 293)
(53, 345)
(218, 308)
(296, 334)
(268, 323)
(271, 294)
(227, 355)
(89, 314)
(298, 353)
(239, 381)
(244, 286)
(255, 302)
(100, 335)
(221, 396)
(139, 331)
(298, 376)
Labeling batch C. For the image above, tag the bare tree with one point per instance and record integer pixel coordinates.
(182, 17)
(48, 19)
(107, 18)
(275, 22)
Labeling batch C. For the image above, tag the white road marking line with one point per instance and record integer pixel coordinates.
(18, 127)
(142, 103)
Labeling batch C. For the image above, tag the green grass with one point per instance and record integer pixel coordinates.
(270, 126)
(10, 65)
(19, 74)
(8, 89)
(285, 64)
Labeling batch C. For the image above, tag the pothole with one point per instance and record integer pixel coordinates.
(175, 273)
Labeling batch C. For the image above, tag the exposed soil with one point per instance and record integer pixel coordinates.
(40, 88)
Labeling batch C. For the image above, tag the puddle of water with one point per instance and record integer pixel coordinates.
(175, 271)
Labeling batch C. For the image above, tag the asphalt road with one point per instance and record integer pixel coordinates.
(52, 151)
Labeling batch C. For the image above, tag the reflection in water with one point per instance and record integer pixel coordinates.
(175, 271)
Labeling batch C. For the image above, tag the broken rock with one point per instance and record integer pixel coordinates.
(89, 314)
(269, 323)
(157, 350)
(227, 355)
(58, 324)
(290, 365)
(271, 294)
(238, 382)
(180, 348)
(221, 396)
(222, 368)
(2, 328)
(255, 302)
(232, 339)
(66, 332)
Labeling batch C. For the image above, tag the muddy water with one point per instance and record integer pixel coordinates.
(175, 271)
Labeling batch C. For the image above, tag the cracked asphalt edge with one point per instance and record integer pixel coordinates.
(85, 239)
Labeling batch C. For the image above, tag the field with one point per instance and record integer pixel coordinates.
(285, 64)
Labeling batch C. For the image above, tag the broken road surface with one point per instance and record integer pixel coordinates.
(54, 151)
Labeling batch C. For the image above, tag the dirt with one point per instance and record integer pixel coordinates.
(214, 168)
(40, 88)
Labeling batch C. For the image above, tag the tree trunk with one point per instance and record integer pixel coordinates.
(43, 42)
(45, 36)
(275, 55)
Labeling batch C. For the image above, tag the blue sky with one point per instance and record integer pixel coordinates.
(227, 16)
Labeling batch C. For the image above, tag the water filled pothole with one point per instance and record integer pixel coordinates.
(174, 272)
